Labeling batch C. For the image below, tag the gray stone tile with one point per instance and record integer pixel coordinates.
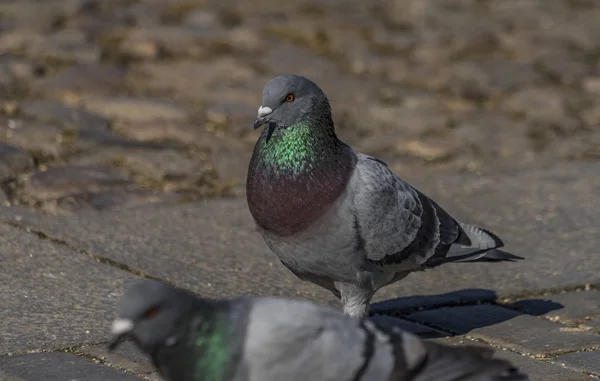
(588, 361)
(52, 297)
(577, 306)
(59, 366)
(537, 370)
(509, 329)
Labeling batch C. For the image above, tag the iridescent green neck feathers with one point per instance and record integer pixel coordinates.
(212, 342)
(298, 147)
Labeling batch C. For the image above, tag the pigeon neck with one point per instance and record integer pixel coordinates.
(295, 176)
(212, 341)
(298, 147)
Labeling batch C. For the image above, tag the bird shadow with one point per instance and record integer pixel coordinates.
(454, 313)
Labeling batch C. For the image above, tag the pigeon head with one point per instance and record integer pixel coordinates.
(149, 313)
(290, 99)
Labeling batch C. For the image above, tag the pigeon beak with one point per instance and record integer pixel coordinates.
(120, 330)
(263, 118)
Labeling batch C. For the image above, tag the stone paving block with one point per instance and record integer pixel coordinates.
(538, 370)
(588, 361)
(126, 356)
(509, 329)
(59, 366)
(578, 306)
(51, 296)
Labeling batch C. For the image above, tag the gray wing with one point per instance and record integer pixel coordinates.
(397, 223)
(297, 340)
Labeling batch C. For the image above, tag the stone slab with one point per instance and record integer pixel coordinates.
(51, 296)
(538, 370)
(212, 247)
(509, 329)
(588, 361)
(59, 366)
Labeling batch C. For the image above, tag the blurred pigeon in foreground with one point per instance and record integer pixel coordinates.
(338, 218)
(260, 339)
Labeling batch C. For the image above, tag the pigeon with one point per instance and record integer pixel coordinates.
(267, 339)
(339, 218)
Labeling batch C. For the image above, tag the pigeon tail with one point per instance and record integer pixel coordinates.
(468, 363)
(483, 248)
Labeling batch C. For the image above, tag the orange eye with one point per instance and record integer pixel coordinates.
(290, 97)
(153, 311)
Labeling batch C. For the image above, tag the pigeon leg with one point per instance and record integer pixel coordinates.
(355, 298)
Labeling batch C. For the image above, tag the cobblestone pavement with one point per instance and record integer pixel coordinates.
(125, 133)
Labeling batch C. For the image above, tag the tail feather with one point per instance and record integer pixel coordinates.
(484, 247)
(482, 238)
(468, 363)
(495, 255)
(422, 360)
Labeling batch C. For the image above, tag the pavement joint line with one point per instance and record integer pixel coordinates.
(502, 302)
(76, 351)
(50, 350)
(550, 292)
(97, 258)
(587, 349)
(576, 324)
(495, 345)
(545, 359)
(562, 365)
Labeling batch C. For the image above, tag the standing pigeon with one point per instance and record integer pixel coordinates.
(339, 218)
(259, 339)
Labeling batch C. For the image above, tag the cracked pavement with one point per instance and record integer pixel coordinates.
(125, 133)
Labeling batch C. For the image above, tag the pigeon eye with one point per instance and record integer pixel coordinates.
(290, 97)
(152, 311)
